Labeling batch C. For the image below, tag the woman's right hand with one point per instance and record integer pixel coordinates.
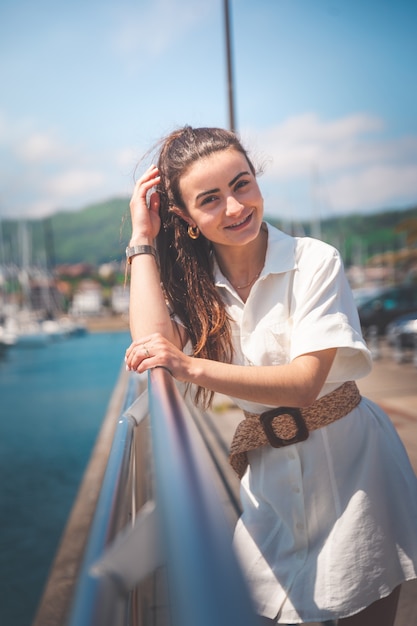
(146, 221)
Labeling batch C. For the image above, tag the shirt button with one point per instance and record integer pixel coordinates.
(290, 454)
(296, 489)
(299, 526)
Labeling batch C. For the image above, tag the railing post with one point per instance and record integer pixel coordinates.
(374, 342)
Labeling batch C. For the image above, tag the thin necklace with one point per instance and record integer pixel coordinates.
(247, 284)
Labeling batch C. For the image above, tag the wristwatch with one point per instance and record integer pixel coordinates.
(135, 250)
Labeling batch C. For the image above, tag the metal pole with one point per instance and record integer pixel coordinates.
(232, 125)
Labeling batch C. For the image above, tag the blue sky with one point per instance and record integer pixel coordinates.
(325, 93)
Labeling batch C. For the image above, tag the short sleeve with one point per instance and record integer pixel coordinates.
(323, 311)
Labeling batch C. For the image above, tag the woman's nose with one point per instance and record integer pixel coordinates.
(233, 206)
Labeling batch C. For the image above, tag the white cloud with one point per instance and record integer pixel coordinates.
(43, 173)
(68, 188)
(377, 187)
(345, 165)
(40, 146)
(358, 166)
(72, 183)
(126, 160)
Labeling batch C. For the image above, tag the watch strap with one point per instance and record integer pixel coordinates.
(135, 250)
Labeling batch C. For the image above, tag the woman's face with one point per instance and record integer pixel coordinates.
(222, 198)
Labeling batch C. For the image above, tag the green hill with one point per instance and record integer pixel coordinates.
(99, 234)
(96, 234)
(361, 236)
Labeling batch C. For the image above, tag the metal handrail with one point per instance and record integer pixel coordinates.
(206, 586)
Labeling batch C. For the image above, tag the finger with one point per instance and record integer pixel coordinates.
(150, 174)
(147, 181)
(154, 202)
(129, 351)
(134, 362)
(142, 187)
(133, 354)
(136, 347)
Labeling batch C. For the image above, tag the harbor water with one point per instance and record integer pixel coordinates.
(52, 402)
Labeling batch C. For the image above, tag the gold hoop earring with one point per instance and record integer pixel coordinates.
(193, 232)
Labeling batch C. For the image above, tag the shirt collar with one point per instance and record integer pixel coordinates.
(280, 253)
(280, 256)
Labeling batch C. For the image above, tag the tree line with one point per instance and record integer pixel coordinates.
(99, 234)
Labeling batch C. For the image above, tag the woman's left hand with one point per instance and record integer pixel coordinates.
(156, 351)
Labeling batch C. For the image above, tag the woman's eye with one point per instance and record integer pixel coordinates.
(240, 184)
(208, 199)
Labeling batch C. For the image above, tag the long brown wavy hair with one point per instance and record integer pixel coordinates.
(187, 264)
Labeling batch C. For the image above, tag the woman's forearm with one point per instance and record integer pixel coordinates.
(295, 384)
(148, 312)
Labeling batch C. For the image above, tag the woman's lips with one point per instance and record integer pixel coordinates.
(240, 223)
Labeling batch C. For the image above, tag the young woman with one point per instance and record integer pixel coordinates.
(230, 304)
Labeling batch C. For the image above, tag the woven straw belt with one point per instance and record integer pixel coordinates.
(292, 426)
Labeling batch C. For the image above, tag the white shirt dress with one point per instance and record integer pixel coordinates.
(329, 525)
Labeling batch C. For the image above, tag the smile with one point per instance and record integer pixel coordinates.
(243, 222)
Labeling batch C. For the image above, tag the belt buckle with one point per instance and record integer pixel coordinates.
(267, 417)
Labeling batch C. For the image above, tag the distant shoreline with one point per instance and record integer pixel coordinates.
(107, 323)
